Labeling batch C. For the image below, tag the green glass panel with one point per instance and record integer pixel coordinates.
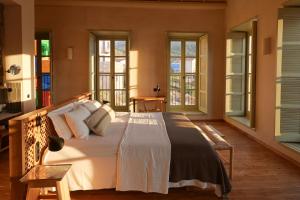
(45, 46)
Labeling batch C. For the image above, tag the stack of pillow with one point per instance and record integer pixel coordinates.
(80, 118)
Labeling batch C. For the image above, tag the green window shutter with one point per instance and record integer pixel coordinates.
(92, 64)
(235, 74)
(203, 69)
(288, 72)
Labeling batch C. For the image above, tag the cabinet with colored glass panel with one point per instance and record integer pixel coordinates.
(43, 68)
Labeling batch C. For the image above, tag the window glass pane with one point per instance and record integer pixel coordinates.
(104, 95)
(120, 98)
(46, 98)
(120, 65)
(104, 64)
(234, 84)
(190, 65)
(236, 45)
(120, 82)
(45, 47)
(46, 82)
(190, 48)
(175, 94)
(45, 65)
(190, 82)
(190, 97)
(176, 48)
(104, 81)
(35, 47)
(175, 65)
(120, 48)
(235, 65)
(104, 47)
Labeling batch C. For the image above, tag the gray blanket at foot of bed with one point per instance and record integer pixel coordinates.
(192, 157)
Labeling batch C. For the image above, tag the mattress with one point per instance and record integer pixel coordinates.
(93, 159)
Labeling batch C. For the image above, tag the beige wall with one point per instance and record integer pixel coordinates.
(148, 27)
(237, 12)
(19, 50)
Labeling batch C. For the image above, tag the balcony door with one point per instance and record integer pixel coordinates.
(112, 78)
(183, 74)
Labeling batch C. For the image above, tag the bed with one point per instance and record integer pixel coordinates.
(96, 160)
(148, 152)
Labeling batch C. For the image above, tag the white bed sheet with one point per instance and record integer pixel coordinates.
(94, 159)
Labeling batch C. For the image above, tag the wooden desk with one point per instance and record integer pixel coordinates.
(161, 100)
(43, 176)
(4, 118)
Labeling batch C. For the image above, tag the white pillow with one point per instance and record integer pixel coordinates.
(92, 106)
(59, 121)
(75, 120)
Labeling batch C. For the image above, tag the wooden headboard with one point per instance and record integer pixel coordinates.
(28, 139)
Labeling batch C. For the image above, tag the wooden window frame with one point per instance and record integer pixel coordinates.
(248, 116)
(183, 57)
(291, 13)
(38, 37)
(112, 39)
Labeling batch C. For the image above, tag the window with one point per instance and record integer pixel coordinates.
(240, 74)
(43, 68)
(187, 69)
(288, 78)
(112, 70)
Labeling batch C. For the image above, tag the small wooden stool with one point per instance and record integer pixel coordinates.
(43, 176)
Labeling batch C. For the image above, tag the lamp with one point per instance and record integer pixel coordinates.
(157, 90)
(55, 143)
(14, 70)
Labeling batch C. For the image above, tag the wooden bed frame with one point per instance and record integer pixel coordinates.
(28, 139)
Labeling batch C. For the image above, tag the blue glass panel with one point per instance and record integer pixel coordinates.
(46, 82)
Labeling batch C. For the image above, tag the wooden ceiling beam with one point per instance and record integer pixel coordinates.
(158, 4)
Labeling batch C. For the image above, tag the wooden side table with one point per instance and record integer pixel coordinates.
(144, 100)
(43, 176)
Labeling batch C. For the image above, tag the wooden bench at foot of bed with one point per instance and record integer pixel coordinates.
(219, 144)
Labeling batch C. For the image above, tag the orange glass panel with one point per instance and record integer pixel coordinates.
(45, 65)
(35, 47)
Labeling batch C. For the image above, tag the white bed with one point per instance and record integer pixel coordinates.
(94, 160)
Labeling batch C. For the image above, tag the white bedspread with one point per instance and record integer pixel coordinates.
(144, 155)
(94, 160)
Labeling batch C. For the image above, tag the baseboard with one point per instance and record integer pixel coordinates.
(208, 120)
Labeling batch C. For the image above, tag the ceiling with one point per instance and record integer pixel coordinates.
(170, 4)
(157, 1)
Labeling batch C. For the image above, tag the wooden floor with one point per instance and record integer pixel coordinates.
(259, 175)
